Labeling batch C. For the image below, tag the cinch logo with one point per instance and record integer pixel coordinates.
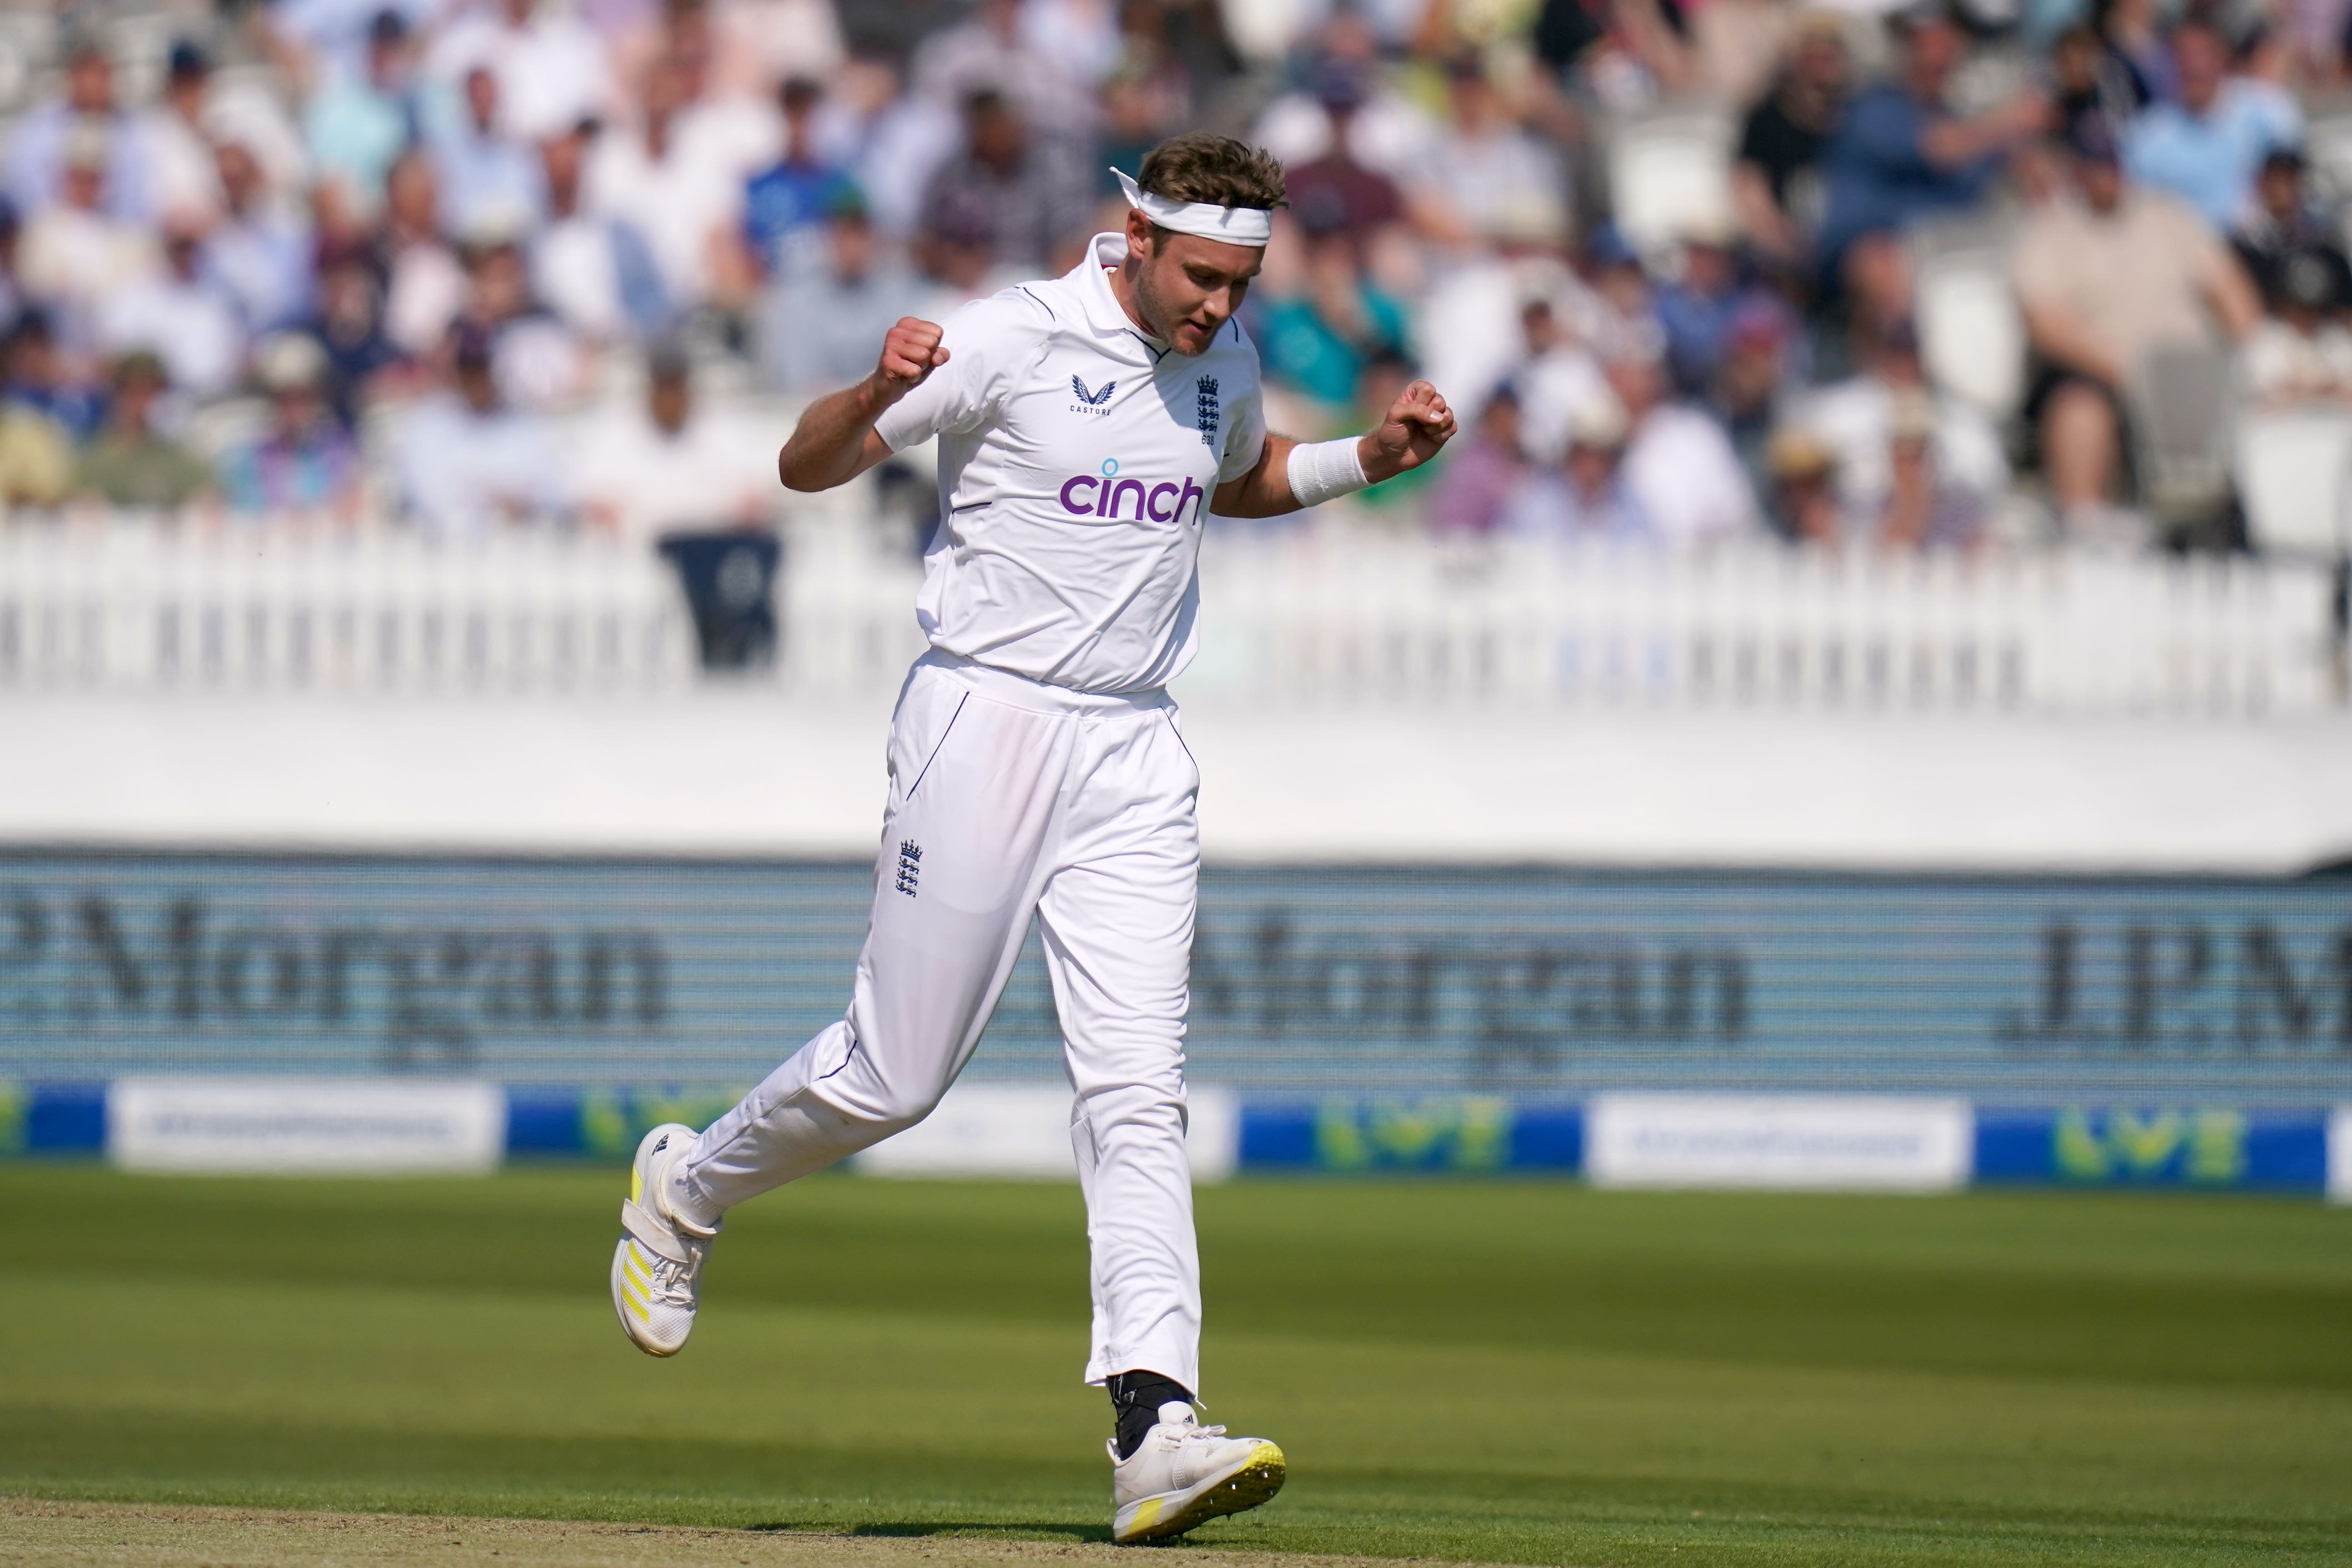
(1087, 494)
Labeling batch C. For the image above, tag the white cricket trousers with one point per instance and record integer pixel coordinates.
(1009, 798)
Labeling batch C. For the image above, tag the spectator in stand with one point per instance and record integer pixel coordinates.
(1484, 173)
(2133, 36)
(40, 378)
(261, 251)
(199, 112)
(36, 457)
(184, 316)
(41, 144)
(990, 51)
(129, 464)
(597, 273)
(1588, 498)
(1863, 421)
(77, 252)
(758, 42)
(2206, 146)
(2101, 283)
(425, 285)
(551, 70)
(1695, 308)
(2300, 352)
(1901, 155)
(350, 331)
(467, 464)
(1875, 295)
(786, 204)
(318, 40)
(538, 362)
(685, 208)
(1319, 339)
(1625, 54)
(2286, 223)
(737, 134)
(1035, 189)
(1142, 105)
(305, 460)
(957, 250)
(672, 466)
(1561, 375)
(185, 176)
(1927, 508)
(357, 124)
(1481, 478)
(1751, 383)
(486, 179)
(1679, 467)
(1802, 502)
(1336, 193)
(2091, 81)
(819, 326)
(1784, 138)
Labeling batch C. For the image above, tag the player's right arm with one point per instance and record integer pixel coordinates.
(836, 440)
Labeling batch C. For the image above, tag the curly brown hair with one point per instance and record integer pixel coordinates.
(1200, 166)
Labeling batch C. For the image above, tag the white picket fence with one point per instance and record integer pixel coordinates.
(1321, 616)
(1313, 615)
(144, 607)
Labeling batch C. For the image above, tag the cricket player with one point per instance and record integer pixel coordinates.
(1085, 425)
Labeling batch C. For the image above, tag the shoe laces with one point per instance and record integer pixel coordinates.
(1188, 1431)
(674, 1282)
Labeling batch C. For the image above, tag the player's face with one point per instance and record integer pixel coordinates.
(1188, 286)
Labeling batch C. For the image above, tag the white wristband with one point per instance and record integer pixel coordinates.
(1325, 470)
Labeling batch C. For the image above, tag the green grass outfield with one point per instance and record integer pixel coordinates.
(1498, 1372)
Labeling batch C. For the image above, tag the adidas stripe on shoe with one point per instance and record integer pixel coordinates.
(657, 1266)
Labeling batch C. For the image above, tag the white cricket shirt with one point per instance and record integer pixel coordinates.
(1076, 458)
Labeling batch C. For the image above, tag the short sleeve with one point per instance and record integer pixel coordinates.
(1245, 433)
(990, 342)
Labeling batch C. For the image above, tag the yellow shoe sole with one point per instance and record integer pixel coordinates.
(1260, 1477)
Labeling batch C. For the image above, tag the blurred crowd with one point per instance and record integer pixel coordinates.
(494, 263)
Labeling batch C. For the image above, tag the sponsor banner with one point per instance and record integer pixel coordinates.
(1468, 1134)
(63, 1119)
(2340, 1155)
(321, 1126)
(1356, 982)
(2208, 1147)
(1023, 1132)
(1874, 1143)
(603, 1124)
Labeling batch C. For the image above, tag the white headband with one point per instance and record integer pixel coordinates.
(1234, 226)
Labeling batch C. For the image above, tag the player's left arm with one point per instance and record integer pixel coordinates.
(1419, 423)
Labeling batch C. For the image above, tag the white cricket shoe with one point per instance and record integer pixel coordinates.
(1184, 1474)
(657, 1267)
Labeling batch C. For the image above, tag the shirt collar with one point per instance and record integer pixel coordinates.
(1104, 313)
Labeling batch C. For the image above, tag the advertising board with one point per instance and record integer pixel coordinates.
(1522, 984)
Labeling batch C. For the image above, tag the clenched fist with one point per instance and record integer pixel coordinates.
(1418, 423)
(910, 353)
